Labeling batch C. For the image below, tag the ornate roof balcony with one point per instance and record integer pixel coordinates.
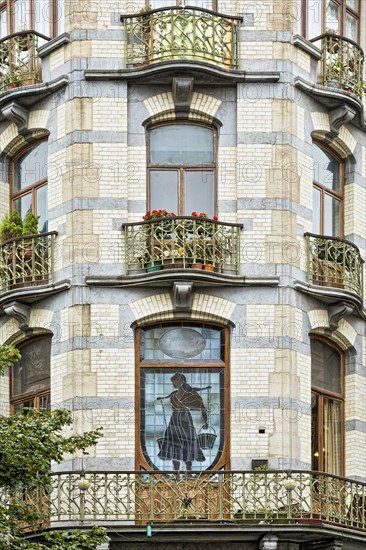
(19, 61)
(182, 242)
(181, 33)
(285, 499)
(27, 261)
(341, 64)
(333, 262)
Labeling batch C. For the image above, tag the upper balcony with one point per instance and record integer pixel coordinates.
(182, 242)
(333, 262)
(181, 33)
(19, 61)
(341, 64)
(27, 261)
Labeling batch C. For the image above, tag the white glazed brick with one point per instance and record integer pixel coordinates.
(346, 330)
(255, 50)
(108, 49)
(300, 113)
(104, 320)
(58, 371)
(57, 58)
(320, 121)
(304, 373)
(354, 210)
(318, 318)
(252, 161)
(8, 329)
(288, 322)
(246, 382)
(110, 113)
(136, 177)
(305, 169)
(159, 103)
(303, 60)
(123, 362)
(227, 168)
(56, 168)
(114, 170)
(41, 318)
(205, 103)
(7, 135)
(347, 138)
(354, 398)
(212, 306)
(38, 119)
(255, 116)
(151, 305)
(61, 121)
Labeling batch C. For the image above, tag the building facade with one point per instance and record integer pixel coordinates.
(195, 282)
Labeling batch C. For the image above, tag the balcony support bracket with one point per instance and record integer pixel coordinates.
(182, 92)
(182, 297)
(19, 311)
(337, 311)
(17, 114)
(339, 116)
(269, 542)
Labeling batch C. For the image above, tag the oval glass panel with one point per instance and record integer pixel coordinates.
(182, 343)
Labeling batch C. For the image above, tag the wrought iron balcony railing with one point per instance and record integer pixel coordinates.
(19, 61)
(27, 261)
(182, 242)
(341, 63)
(181, 32)
(334, 262)
(216, 496)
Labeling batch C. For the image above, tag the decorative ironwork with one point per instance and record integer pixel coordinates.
(334, 262)
(180, 242)
(237, 496)
(342, 63)
(27, 261)
(19, 62)
(181, 33)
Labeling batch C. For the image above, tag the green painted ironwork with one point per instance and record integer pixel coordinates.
(27, 261)
(181, 33)
(19, 62)
(180, 241)
(335, 263)
(237, 496)
(342, 63)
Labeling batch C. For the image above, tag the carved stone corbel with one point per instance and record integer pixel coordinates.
(336, 312)
(182, 92)
(339, 116)
(182, 296)
(19, 311)
(17, 114)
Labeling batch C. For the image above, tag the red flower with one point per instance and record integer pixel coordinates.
(194, 214)
(215, 218)
(173, 215)
(202, 215)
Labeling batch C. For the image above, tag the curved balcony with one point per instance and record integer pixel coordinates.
(341, 63)
(181, 33)
(226, 497)
(334, 262)
(182, 242)
(19, 61)
(27, 261)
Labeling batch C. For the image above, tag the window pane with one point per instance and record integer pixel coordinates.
(31, 167)
(42, 208)
(314, 432)
(32, 372)
(181, 144)
(24, 205)
(314, 18)
(332, 436)
(351, 27)
(42, 16)
(164, 190)
(199, 192)
(332, 216)
(60, 17)
(326, 168)
(21, 15)
(3, 27)
(352, 4)
(316, 210)
(332, 16)
(325, 367)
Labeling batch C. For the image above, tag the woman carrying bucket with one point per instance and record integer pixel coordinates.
(180, 441)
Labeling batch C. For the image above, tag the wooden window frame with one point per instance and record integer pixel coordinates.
(324, 190)
(224, 460)
(182, 169)
(323, 394)
(8, 5)
(30, 189)
(344, 10)
(182, 3)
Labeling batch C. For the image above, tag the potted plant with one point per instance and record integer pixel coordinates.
(11, 226)
(30, 224)
(12, 81)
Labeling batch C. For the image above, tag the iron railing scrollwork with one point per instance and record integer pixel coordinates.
(235, 496)
(334, 262)
(19, 61)
(341, 64)
(181, 33)
(27, 261)
(181, 242)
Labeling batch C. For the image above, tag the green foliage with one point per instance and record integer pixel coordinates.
(9, 355)
(29, 441)
(11, 226)
(30, 224)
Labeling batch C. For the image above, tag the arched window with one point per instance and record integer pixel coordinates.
(182, 169)
(28, 178)
(339, 16)
(43, 16)
(182, 375)
(30, 377)
(327, 408)
(327, 193)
